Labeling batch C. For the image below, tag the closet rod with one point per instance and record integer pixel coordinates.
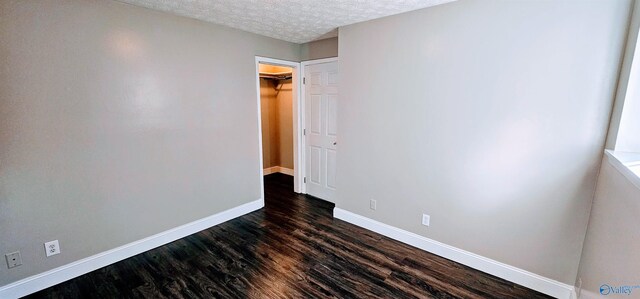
(276, 76)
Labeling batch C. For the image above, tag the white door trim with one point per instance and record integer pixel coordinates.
(318, 61)
(298, 149)
(301, 118)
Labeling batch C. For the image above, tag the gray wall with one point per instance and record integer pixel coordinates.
(627, 137)
(118, 122)
(324, 48)
(488, 115)
(610, 253)
(624, 79)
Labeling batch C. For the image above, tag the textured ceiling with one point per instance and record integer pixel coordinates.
(297, 21)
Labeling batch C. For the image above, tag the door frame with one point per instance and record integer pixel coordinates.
(298, 148)
(303, 139)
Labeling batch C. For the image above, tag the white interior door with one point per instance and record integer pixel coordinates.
(321, 99)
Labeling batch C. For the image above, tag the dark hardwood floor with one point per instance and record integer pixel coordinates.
(293, 248)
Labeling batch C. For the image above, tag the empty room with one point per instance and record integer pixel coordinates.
(319, 149)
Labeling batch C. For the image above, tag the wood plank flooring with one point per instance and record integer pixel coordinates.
(293, 248)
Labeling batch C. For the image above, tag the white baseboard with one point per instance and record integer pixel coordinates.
(279, 169)
(504, 271)
(574, 295)
(55, 276)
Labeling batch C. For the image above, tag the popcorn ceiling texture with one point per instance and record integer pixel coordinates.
(297, 21)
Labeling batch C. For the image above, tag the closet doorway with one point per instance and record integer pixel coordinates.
(278, 102)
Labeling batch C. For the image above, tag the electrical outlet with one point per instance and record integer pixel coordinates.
(13, 259)
(426, 219)
(52, 248)
(373, 204)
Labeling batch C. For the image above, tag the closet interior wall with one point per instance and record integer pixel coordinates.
(277, 122)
